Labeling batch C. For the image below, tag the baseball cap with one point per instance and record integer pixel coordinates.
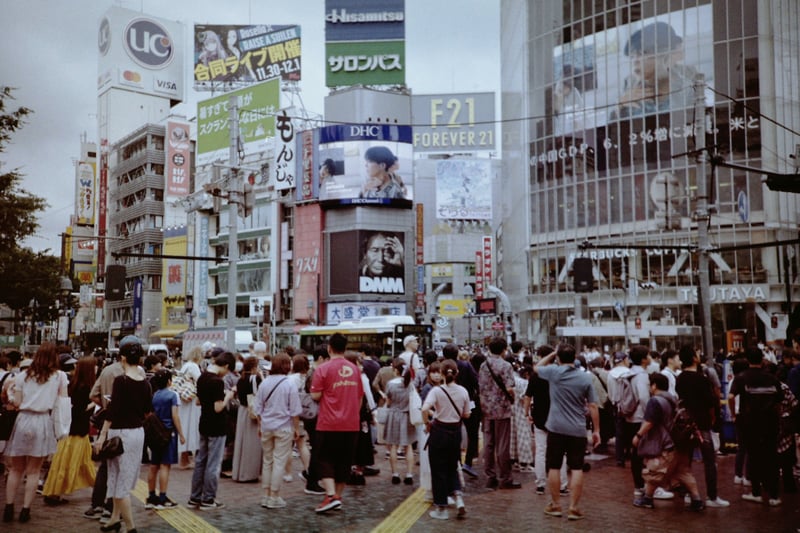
(619, 357)
(66, 359)
(409, 338)
(655, 37)
(260, 347)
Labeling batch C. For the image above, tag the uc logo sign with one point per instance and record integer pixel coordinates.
(148, 43)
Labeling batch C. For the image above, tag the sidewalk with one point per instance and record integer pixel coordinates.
(606, 503)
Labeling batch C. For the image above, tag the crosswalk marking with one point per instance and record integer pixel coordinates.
(405, 515)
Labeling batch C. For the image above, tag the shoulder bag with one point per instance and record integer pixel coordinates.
(414, 406)
(270, 392)
(251, 399)
(499, 383)
(7, 416)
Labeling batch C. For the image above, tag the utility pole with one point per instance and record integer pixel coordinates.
(234, 198)
(702, 216)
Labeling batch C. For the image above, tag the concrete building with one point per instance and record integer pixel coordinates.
(607, 90)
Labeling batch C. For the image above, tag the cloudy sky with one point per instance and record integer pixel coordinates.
(48, 52)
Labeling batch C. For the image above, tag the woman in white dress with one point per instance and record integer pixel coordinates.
(189, 410)
(34, 392)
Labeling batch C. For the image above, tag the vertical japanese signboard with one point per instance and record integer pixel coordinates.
(420, 258)
(284, 166)
(85, 193)
(488, 273)
(364, 42)
(479, 274)
(178, 157)
(173, 288)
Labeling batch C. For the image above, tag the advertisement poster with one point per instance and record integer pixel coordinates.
(257, 105)
(245, 54)
(85, 193)
(453, 122)
(173, 287)
(365, 164)
(464, 189)
(364, 42)
(284, 166)
(367, 262)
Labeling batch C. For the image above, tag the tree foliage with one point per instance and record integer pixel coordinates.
(18, 207)
(25, 275)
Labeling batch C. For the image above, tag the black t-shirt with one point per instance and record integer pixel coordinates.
(80, 415)
(131, 399)
(211, 389)
(539, 390)
(759, 396)
(697, 394)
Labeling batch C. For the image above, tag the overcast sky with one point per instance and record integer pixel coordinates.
(48, 52)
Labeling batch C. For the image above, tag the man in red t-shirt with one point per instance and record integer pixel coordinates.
(337, 387)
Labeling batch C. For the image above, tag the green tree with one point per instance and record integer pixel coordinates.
(26, 275)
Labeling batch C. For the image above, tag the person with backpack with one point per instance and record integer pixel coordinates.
(664, 460)
(696, 392)
(621, 448)
(634, 394)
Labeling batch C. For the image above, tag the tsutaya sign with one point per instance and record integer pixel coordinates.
(727, 293)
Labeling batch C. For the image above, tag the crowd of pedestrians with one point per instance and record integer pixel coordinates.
(245, 416)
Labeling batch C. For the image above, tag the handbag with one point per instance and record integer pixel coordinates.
(381, 414)
(156, 435)
(7, 416)
(251, 399)
(62, 416)
(414, 406)
(111, 448)
(185, 387)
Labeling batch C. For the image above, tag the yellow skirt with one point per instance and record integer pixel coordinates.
(72, 467)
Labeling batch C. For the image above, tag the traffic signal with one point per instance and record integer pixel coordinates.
(783, 182)
(582, 274)
(249, 199)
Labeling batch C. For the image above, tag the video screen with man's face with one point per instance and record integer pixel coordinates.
(370, 262)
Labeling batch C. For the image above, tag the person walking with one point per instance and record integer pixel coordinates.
(277, 405)
(443, 410)
(571, 393)
(214, 401)
(72, 467)
(398, 431)
(34, 392)
(496, 385)
(337, 386)
(165, 407)
(131, 400)
(663, 460)
(247, 449)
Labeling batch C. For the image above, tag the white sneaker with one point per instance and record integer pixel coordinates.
(462, 509)
(750, 497)
(287, 478)
(737, 480)
(719, 502)
(451, 501)
(746, 482)
(661, 494)
(440, 514)
(276, 503)
(774, 502)
(638, 493)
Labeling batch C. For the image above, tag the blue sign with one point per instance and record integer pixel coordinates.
(364, 20)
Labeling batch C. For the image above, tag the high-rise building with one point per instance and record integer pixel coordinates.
(613, 94)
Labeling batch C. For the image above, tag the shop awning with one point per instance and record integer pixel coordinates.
(169, 331)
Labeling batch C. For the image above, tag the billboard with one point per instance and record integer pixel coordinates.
(364, 261)
(464, 189)
(140, 53)
(284, 168)
(178, 158)
(365, 164)
(339, 311)
(173, 288)
(364, 42)
(624, 97)
(453, 122)
(306, 260)
(257, 107)
(245, 54)
(85, 193)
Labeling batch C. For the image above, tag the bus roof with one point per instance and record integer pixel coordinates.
(366, 325)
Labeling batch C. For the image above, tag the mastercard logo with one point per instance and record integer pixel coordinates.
(130, 75)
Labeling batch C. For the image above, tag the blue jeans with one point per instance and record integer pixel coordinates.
(207, 466)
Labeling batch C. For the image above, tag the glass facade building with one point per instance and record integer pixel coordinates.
(610, 93)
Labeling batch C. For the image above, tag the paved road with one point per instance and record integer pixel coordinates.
(381, 506)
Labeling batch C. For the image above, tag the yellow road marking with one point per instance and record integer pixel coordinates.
(181, 518)
(405, 515)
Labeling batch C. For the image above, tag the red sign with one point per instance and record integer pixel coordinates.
(487, 261)
(478, 274)
(498, 326)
